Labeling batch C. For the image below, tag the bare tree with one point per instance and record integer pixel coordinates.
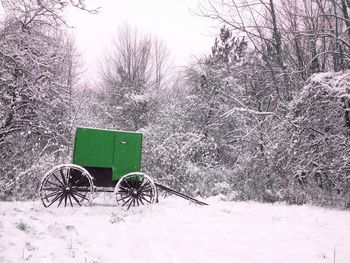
(132, 75)
(295, 39)
(45, 12)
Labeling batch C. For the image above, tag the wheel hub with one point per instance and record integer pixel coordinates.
(134, 192)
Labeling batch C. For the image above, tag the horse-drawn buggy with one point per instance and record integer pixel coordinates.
(103, 161)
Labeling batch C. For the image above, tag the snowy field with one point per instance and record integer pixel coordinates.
(173, 231)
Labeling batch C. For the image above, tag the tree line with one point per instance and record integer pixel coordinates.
(263, 116)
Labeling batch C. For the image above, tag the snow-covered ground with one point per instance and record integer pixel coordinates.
(173, 231)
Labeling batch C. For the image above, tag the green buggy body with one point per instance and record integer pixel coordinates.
(106, 154)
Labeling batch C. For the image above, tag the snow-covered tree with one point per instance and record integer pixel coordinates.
(312, 158)
(36, 78)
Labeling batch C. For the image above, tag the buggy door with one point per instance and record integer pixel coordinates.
(127, 153)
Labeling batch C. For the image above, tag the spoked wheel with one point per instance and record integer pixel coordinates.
(135, 189)
(67, 184)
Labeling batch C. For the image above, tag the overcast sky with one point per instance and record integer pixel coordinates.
(185, 34)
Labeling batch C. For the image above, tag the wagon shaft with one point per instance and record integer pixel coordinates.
(174, 192)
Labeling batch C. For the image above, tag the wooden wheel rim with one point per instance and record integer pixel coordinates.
(66, 184)
(129, 192)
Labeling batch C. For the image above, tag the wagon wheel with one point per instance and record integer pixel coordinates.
(69, 184)
(135, 189)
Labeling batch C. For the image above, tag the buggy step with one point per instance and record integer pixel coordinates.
(174, 192)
